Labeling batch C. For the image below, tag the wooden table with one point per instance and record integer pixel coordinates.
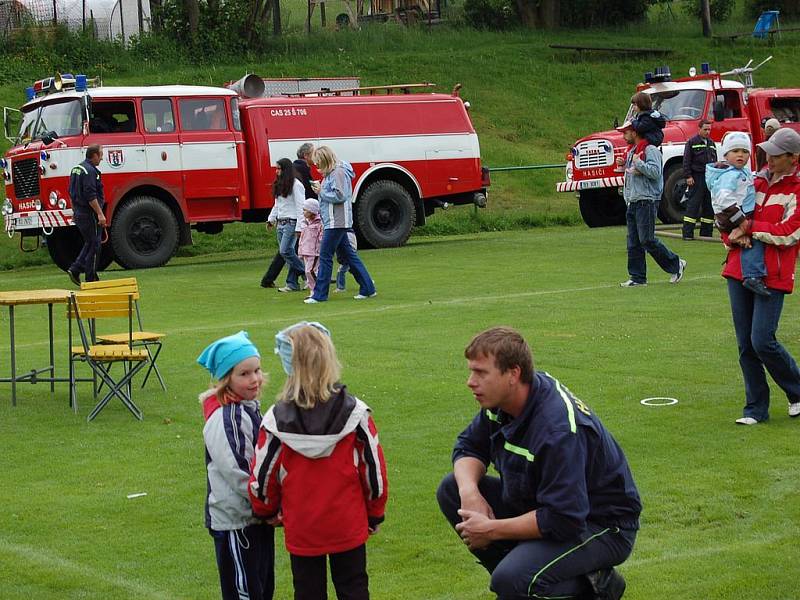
(20, 298)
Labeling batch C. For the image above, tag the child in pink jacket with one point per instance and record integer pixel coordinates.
(310, 240)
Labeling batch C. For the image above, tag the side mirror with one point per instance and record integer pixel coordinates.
(616, 122)
(719, 110)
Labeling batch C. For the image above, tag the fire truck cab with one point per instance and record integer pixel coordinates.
(730, 106)
(182, 157)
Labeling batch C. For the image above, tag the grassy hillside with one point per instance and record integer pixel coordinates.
(529, 102)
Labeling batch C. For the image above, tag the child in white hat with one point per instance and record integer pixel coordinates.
(733, 197)
(310, 241)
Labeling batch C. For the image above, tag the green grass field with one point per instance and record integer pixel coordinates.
(721, 501)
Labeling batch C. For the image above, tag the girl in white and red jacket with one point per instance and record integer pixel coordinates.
(319, 468)
(244, 544)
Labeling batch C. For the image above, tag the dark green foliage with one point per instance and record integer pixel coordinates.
(788, 8)
(595, 13)
(720, 9)
(490, 14)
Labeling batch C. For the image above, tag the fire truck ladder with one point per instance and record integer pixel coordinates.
(370, 90)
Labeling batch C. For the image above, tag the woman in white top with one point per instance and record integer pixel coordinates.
(289, 195)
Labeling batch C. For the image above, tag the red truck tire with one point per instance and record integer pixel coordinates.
(385, 215)
(144, 232)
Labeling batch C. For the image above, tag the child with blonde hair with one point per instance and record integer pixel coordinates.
(244, 544)
(319, 468)
(310, 240)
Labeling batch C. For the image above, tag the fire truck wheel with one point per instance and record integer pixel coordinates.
(65, 244)
(385, 215)
(144, 233)
(669, 209)
(602, 208)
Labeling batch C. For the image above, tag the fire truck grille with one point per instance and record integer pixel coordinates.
(26, 178)
(594, 153)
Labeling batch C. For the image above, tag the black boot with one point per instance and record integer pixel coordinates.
(606, 584)
(706, 230)
(688, 231)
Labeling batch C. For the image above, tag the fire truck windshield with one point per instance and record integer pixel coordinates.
(64, 118)
(683, 105)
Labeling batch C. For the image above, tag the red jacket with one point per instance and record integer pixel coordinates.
(776, 222)
(323, 468)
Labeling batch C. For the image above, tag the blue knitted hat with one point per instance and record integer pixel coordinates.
(224, 354)
(283, 345)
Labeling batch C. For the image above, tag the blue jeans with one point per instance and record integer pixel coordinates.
(286, 239)
(756, 319)
(335, 240)
(540, 568)
(641, 220)
(753, 261)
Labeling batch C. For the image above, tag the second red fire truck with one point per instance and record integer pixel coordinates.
(730, 105)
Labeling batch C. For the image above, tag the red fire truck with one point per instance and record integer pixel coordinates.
(179, 158)
(730, 105)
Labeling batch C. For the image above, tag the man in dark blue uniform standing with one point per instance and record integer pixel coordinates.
(699, 151)
(565, 509)
(88, 202)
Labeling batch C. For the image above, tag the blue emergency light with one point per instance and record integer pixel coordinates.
(80, 83)
(30, 94)
(705, 69)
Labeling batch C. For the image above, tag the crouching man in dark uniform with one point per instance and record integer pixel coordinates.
(565, 509)
(88, 202)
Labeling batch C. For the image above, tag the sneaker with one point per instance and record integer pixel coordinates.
(676, 277)
(746, 421)
(632, 283)
(74, 277)
(755, 285)
(794, 409)
(339, 290)
(363, 297)
(286, 288)
(311, 301)
(606, 583)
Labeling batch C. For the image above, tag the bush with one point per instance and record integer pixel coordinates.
(490, 14)
(790, 9)
(595, 13)
(720, 9)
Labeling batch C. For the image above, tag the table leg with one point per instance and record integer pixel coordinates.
(52, 357)
(13, 357)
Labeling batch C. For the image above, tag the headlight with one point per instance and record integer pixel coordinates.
(7, 175)
(7, 208)
(3, 163)
(53, 199)
(62, 204)
(37, 204)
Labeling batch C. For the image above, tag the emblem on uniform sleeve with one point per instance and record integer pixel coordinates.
(115, 158)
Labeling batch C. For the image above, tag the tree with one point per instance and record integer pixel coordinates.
(539, 13)
(192, 9)
(706, 16)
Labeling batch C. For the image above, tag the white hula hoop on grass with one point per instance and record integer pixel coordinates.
(659, 401)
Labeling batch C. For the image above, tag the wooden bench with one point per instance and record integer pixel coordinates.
(657, 51)
(732, 37)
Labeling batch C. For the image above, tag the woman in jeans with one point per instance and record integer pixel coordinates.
(335, 195)
(289, 195)
(776, 222)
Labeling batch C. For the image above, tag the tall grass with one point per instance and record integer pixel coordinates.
(529, 101)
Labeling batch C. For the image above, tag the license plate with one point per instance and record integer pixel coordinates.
(27, 222)
(587, 185)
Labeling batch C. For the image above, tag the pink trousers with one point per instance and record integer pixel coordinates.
(312, 266)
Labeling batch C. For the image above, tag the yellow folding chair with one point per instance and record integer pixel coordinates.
(150, 340)
(86, 309)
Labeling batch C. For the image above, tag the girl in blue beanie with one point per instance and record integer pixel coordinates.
(245, 546)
